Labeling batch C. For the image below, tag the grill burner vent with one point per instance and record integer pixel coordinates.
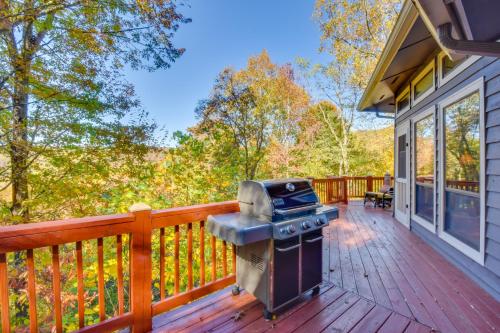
(257, 262)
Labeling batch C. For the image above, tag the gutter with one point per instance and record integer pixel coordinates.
(468, 47)
(381, 114)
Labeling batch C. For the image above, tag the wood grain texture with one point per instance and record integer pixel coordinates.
(56, 288)
(176, 260)
(100, 279)
(119, 274)
(202, 253)
(190, 256)
(30, 265)
(80, 285)
(213, 245)
(4, 294)
(407, 276)
(224, 258)
(162, 263)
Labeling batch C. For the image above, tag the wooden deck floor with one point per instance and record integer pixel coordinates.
(379, 277)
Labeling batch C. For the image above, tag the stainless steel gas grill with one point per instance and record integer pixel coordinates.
(278, 238)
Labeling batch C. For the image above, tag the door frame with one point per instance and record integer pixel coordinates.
(402, 129)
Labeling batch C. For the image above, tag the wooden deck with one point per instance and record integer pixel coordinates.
(379, 277)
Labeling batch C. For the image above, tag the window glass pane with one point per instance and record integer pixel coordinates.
(424, 168)
(462, 218)
(424, 84)
(424, 204)
(448, 64)
(402, 156)
(403, 102)
(462, 167)
(462, 144)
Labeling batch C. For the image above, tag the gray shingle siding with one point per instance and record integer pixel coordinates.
(487, 276)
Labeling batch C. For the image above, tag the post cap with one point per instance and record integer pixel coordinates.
(138, 207)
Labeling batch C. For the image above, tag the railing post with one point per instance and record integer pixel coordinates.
(329, 190)
(369, 183)
(140, 268)
(345, 195)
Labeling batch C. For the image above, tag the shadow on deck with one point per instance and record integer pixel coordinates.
(378, 277)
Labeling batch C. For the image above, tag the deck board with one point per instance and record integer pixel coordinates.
(379, 277)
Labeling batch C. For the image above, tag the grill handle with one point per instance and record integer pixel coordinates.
(291, 211)
(287, 249)
(313, 240)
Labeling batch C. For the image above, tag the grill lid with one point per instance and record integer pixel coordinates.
(288, 194)
(270, 199)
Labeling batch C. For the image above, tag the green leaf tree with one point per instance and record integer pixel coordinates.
(63, 97)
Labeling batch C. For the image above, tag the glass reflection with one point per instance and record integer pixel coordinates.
(462, 169)
(424, 168)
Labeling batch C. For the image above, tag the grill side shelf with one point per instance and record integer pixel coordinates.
(239, 229)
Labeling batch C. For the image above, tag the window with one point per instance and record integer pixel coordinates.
(423, 84)
(462, 174)
(424, 170)
(449, 65)
(448, 68)
(403, 101)
(462, 162)
(402, 156)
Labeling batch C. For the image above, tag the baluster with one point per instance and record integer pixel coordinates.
(100, 278)
(213, 242)
(119, 274)
(31, 290)
(202, 253)
(190, 255)
(79, 277)
(56, 286)
(4, 293)
(176, 259)
(162, 263)
(234, 259)
(224, 258)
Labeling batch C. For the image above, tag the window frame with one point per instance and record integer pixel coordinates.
(429, 67)
(400, 97)
(477, 256)
(422, 222)
(455, 71)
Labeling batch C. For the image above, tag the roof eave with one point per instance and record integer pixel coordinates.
(404, 23)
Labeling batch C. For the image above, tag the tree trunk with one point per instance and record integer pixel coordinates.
(19, 152)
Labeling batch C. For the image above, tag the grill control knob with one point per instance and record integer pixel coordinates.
(291, 229)
(318, 222)
(306, 225)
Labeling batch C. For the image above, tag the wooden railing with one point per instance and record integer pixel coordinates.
(204, 272)
(145, 244)
(341, 189)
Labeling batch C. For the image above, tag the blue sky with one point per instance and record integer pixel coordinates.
(225, 33)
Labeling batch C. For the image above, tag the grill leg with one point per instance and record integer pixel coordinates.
(268, 315)
(315, 291)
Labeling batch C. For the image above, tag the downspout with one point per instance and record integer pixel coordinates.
(468, 47)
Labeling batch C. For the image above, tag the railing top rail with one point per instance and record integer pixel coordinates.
(183, 215)
(62, 225)
(193, 209)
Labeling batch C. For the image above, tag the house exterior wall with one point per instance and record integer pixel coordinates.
(487, 276)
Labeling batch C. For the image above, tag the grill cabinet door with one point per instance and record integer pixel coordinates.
(286, 271)
(312, 251)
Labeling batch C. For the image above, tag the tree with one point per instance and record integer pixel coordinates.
(353, 33)
(62, 89)
(255, 105)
